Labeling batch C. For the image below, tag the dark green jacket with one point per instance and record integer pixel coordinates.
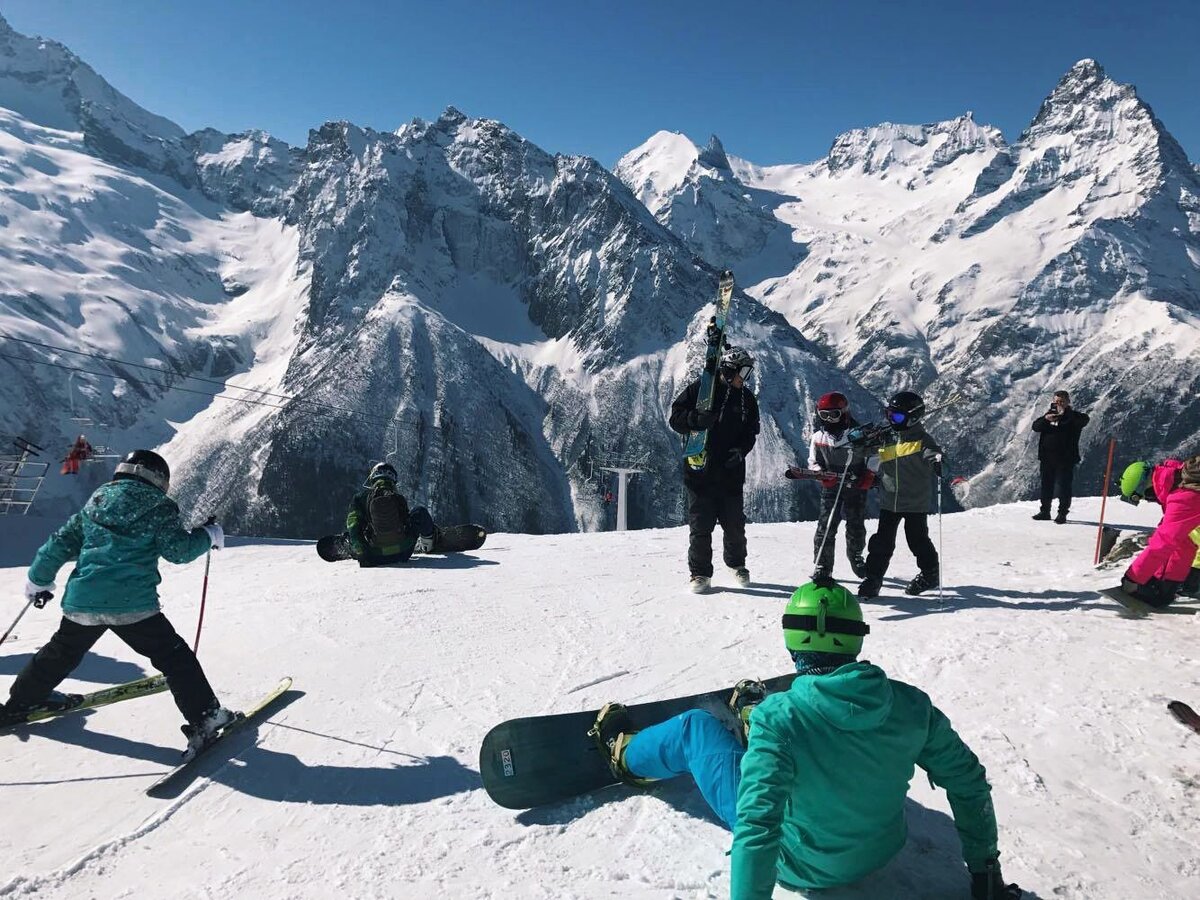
(117, 539)
(905, 474)
(825, 776)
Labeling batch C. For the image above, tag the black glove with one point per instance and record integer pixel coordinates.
(700, 419)
(713, 334)
(989, 884)
(735, 458)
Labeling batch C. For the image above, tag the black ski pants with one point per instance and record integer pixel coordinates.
(1058, 480)
(153, 637)
(883, 542)
(708, 506)
(852, 506)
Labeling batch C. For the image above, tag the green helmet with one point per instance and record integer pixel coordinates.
(825, 618)
(1135, 480)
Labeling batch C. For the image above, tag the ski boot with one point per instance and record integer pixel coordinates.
(858, 566)
(700, 584)
(202, 733)
(424, 543)
(1061, 518)
(612, 735)
(747, 694)
(1042, 515)
(56, 701)
(870, 588)
(923, 582)
(1191, 584)
(742, 576)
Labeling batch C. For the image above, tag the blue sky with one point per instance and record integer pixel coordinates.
(776, 80)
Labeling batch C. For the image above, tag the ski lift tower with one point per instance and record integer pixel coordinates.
(20, 478)
(622, 493)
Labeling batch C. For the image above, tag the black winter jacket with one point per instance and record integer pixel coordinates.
(736, 427)
(1058, 442)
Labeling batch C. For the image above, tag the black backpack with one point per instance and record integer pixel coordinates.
(387, 516)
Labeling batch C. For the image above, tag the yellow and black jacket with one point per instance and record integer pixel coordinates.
(906, 470)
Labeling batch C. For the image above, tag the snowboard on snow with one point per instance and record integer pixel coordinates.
(446, 539)
(1140, 609)
(695, 447)
(1185, 714)
(548, 759)
(170, 784)
(142, 687)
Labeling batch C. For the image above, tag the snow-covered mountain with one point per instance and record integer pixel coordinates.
(938, 257)
(499, 321)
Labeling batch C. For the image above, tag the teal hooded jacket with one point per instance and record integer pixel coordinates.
(117, 539)
(825, 776)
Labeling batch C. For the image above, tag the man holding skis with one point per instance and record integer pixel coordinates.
(816, 798)
(116, 541)
(715, 491)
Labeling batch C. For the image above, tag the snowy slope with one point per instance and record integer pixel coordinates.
(941, 258)
(368, 786)
(499, 321)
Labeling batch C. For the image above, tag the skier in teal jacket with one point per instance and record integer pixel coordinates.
(116, 541)
(816, 799)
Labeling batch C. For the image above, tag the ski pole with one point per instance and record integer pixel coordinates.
(836, 498)
(203, 599)
(1112, 446)
(941, 556)
(15, 621)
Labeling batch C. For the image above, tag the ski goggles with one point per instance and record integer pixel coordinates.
(831, 415)
(743, 371)
(897, 416)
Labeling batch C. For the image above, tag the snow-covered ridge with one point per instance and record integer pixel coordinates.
(939, 257)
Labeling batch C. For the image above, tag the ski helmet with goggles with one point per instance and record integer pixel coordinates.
(384, 471)
(825, 618)
(736, 361)
(1135, 482)
(145, 466)
(833, 407)
(904, 408)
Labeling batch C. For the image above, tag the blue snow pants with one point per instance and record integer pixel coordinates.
(694, 743)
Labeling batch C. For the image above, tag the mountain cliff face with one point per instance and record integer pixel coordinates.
(498, 321)
(942, 259)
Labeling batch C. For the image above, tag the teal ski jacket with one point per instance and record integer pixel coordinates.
(825, 776)
(117, 539)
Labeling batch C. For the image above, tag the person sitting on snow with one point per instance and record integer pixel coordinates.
(1170, 563)
(816, 798)
(380, 527)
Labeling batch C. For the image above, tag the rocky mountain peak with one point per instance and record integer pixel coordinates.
(713, 155)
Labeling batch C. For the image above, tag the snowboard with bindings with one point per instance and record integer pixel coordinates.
(695, 446)
(548, 759)
(142, 687)
(447, 539)
(1185, 715)
(170, 784)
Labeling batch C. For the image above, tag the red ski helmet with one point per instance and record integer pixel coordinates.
(832, 407)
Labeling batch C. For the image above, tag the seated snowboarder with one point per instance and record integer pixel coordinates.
(117, 540)
(816, 798)
(380, 527)
(1168, 565)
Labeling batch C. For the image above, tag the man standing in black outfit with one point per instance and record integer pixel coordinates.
(1058, 451)
(715, 492)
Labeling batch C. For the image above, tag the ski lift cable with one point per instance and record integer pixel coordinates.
(147, 384)
(172, 371)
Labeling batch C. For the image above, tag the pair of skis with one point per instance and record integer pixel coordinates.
(695, 448)
(144, 687)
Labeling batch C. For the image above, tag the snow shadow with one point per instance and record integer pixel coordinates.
(73, 729)
(237, 540)
(449, 561)
(96, 668)
(282, 777)
(759, 589)
(972, 596)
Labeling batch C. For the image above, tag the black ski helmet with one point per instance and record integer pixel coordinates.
(146, 466)
(383, 470)
(904, 408)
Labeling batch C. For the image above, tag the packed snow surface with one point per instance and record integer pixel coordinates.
(367, 785)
